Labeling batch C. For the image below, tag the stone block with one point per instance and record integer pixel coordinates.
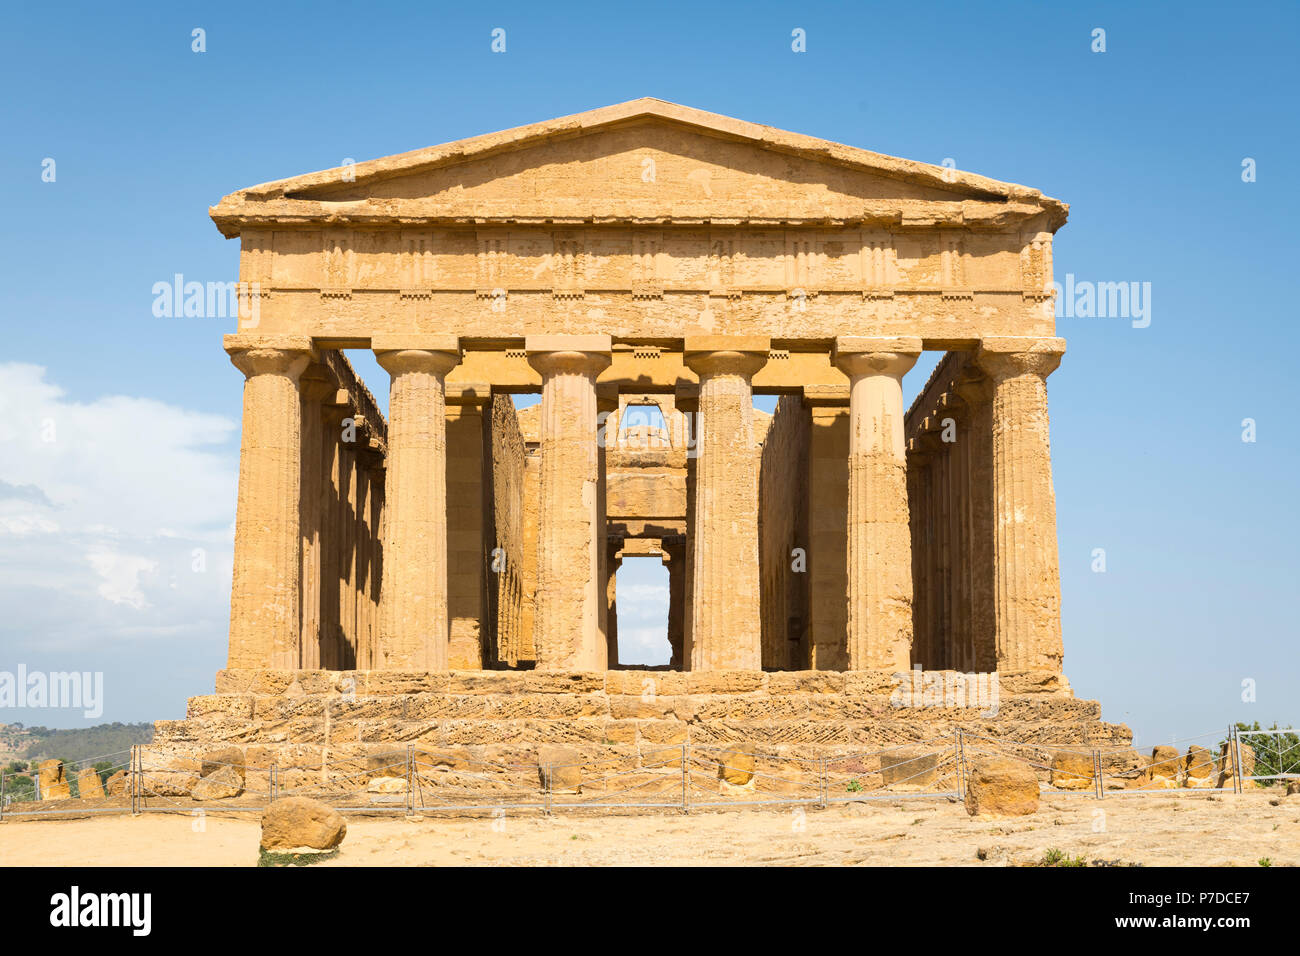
(118, 785)
(296, 822)
(89, 786)
(736, 765)
(51, 782)
(226, 757)
(1001, 787)
(559, 769)
(222, 784)
(1198, 764)
(906, 767)
(1072, 770)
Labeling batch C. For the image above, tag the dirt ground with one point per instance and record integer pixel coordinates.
(1214, 830)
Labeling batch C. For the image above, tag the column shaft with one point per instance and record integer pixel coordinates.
(413, 597)
(880, 544)
(570, 533)
(1027, 593)
(726, 626)
(264, 618)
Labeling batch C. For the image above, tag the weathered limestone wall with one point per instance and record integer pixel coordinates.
(507, 582)
(782, 527)
(828, 504)
(529, 425)
(469, 529)
(344, 441)
(334, 718)
(950, 493)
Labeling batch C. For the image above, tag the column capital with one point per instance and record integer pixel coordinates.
(894, 355)
(726, 354)
(286, 355)
(582, 354)
(431, 354)
(1006, 356)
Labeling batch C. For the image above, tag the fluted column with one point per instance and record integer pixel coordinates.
(315, 386)
(880, 541)
(726, 623)
(1027, 580)
(413, 632)
(570, 532)
(264, 618)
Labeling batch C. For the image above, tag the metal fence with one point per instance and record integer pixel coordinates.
(415, 779)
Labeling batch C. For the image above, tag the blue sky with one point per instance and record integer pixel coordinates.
(1145, 141)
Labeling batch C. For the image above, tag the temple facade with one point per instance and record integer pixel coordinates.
(647, 269)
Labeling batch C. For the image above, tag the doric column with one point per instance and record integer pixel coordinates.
(726, 625)
(1027, 579)
(570, 534)
(264, 619)
(315, 386)
(413, 631)
(880, 542)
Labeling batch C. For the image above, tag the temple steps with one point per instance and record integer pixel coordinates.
(331, 726)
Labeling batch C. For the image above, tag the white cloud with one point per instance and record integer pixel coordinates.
(121, 574)
(102, 503)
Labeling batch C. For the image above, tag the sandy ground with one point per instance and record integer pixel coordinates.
(1217, 830)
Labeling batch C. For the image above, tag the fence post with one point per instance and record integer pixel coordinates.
(823, 787)
(1097, 773)
(410, 780)
(550, 782)
(686, 780)
(1239, 782)
(684, 797)
(2, 794)
(133, 778)
(957, 765)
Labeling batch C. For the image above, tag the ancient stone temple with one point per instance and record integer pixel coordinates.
(640, 256)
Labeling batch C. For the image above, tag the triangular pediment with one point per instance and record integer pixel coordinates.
(638, 161)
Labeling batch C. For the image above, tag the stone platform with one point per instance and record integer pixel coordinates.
(317, 725)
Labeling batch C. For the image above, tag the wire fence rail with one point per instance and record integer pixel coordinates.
(417, 780)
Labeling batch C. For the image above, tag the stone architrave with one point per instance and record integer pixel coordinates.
(1027, 578)
(264, 620)
(570, 533)
(880, 541)
(413, 631)
(726, 628)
